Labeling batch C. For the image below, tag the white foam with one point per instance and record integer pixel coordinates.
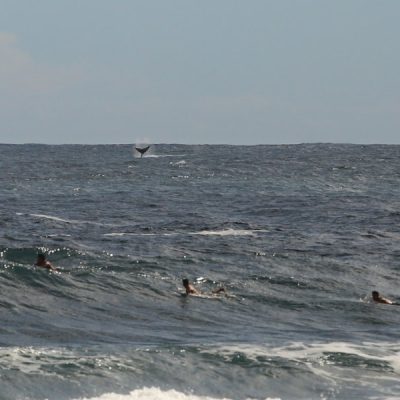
(51, 217)
(178, 163)
(223, 232)
(154, 394)
(138, 234)
(64, 220)
(161, 155)
(59, 235)
(229, 232)
(299, 350)
(316, 355)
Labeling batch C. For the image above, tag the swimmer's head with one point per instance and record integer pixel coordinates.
(375, 295)
(185, 282)
(41, 257)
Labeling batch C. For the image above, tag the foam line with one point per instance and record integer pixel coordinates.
(155, 394)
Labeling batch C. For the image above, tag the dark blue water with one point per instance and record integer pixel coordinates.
(298, 235)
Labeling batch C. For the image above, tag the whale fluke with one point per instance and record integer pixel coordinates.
(142, 150)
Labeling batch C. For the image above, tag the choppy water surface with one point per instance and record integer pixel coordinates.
(298, 235)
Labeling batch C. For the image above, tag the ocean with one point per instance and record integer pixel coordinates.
(298, 235)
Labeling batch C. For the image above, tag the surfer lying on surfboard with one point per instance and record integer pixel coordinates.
(190, 289)
(376, 296)
(42, 262)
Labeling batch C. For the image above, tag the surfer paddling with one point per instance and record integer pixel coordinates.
(190, 289)
(43, 263)
(379, 299)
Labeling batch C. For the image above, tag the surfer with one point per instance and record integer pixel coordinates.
(379, 299)
(190, 289)
(43, 263)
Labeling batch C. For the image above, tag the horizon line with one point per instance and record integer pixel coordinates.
(197, 144)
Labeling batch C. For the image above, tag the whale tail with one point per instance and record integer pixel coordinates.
(142, 150)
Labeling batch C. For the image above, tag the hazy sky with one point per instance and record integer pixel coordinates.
(199, 71)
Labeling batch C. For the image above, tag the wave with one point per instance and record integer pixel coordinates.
(365, 370)
(229, 232)
(222, 232)
(51, 217)
(339, 365)
(63, 220)
(327, 360)
(155, 394)
(139, 234)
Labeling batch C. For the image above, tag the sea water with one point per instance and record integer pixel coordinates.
(298, 235)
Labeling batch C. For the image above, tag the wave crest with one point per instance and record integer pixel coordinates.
(154, 394)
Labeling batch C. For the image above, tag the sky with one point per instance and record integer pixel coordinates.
(200, 71)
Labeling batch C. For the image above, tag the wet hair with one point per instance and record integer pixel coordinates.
(185, 281)
(375, 294)
(41, 255)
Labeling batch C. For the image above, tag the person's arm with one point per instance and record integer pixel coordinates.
(382, 300)
(50, 266)
(192, 290)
